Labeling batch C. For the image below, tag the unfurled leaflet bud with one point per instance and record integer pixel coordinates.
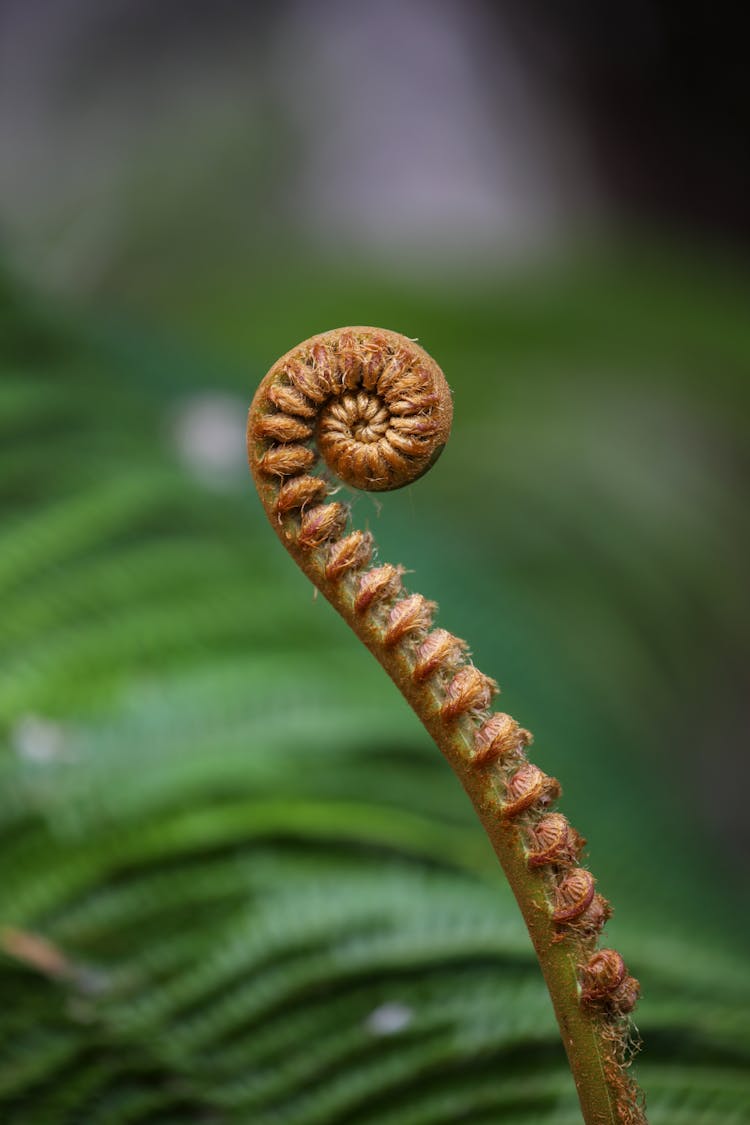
(605, 982)
(323, 363)
(594, 918)
(322, 523)
(377, 585)
(439, 652)
(291, 401)
(348, 554)
(283, 460)
(309, 382)
(281, 427)
(626, 997)
(553, 840)
(299, 492)
(529, 786)
(602, 975)
(573, 894)
(469, 691)
(409, 616)
(499, 736)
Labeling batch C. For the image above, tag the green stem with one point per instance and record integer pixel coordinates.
(580, 1029)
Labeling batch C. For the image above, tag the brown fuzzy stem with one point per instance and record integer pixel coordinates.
(378, 410)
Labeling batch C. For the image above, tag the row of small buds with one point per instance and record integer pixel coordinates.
(441, 657)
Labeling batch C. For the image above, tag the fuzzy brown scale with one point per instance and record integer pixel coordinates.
(298, 492)
(468, 692)
(377, 585)
(377, 409)
(409, 617)
(350, 553)
(440, 652)
(553, 841)
(573, 895)
(528, 787)
(606, 982)
(500, 737)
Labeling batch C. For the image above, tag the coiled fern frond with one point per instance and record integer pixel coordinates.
(237, 887)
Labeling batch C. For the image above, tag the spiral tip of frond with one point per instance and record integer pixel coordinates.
(376, 404)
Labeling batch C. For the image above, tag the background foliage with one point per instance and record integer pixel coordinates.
(261, 894)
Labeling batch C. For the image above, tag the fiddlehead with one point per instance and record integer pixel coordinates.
(378, 410)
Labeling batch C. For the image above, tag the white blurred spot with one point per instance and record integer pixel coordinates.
(388, 1019)
(37, 739)
(209, 433)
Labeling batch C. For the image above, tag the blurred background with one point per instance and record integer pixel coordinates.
(239, 884)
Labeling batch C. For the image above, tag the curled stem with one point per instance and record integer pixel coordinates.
(378, 410)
